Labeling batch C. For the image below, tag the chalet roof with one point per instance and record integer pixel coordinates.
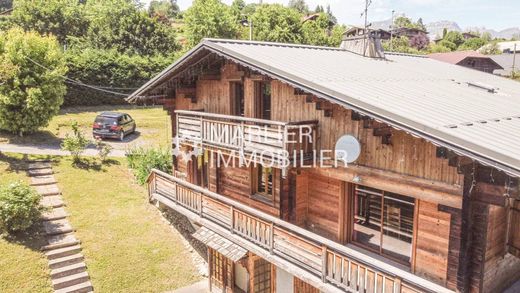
(458, 56)
(449, 105)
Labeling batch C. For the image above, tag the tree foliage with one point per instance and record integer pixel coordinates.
(406, 22)
(31, 94)
(455, 38)
(62, 18)
(299, 5)
(19, 207)
(276, 23)
(209, 19)
(472, 44)
(321, 31)
(163, 9)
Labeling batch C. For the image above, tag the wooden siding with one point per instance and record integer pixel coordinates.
(431, 255)
(323, 203)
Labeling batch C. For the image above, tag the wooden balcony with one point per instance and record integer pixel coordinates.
(325, 264)
(271, 141)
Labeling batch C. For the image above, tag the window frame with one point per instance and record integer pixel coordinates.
(263, 196)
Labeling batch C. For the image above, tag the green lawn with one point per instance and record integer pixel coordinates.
(153, 125)
(23, 268)
(128, 247)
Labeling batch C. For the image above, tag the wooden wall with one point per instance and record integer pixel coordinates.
(323, 206)
(432, 243)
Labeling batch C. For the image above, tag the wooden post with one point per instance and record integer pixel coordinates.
(200, 205)
(397, 285)
(210, 264)
(323, 263)
(232, 223)
(271, 239)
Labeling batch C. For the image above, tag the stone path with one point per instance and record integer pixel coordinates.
(68, 269)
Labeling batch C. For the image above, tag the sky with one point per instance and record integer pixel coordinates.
(492, 14)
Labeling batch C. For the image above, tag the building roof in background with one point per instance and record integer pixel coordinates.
(506, 61)
(473, 113)
(509, 46)
(457, 56)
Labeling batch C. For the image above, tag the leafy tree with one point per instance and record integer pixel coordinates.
(62, 18)
(419, 41)
(491, 49)
(487, 37)
(299, 5)
(437, 48)
(163, 9)
(420, 25)
(455, 38)
(19, 207)
(276, 23)
(400, 45)
(209, 19)
(331, 16)
(75, 143)
(319, 9)
(472, 44)
(403, 22)
(32, 93)
(318, 31)
(447, 44)
(120, 25)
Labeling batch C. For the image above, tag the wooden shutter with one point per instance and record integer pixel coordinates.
(514, 229)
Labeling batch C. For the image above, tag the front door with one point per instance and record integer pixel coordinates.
(221, 272)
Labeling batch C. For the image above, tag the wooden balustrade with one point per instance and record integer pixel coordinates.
(330, 261)
(272, 141)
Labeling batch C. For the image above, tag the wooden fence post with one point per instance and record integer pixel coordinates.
(324, 263)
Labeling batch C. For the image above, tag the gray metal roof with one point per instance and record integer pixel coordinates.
(425, 97)
(506, 61)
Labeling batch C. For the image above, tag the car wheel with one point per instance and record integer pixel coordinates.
(133, 129)
(122, 135)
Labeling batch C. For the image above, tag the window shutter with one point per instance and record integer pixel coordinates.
(514, 229)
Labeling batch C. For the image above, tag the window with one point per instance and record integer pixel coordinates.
(200, 170)
(263, 100)
(383, 222)
(263, 187)
(237, 99)
(221, 270)
(262, 277)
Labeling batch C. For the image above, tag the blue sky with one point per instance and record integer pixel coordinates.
(467, 13)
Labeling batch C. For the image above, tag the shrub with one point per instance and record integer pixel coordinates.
(32, 92)
(19, 207)
(76, 143)
(142, 161)
(104, 150)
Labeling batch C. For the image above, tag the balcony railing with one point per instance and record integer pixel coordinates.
(270, 141)
(335, 264)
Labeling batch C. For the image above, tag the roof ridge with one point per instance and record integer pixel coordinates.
(273, 44)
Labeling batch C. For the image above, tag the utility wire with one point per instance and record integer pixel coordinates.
(76, 82)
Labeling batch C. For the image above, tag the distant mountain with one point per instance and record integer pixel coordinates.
(436, 28)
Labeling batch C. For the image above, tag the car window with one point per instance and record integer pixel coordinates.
(129, 118)
(105, 120)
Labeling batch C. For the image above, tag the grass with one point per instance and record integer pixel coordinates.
(127, 245)
(23, 268)
(152, 124)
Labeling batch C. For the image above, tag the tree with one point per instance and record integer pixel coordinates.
(403, 22)
(455, 38)
(31, 94)
(487, 37)
(163, 9)
(209, 19)
(276, 23)
(491, 49)
(332, 18)
(62, 18)
(316, 32)
(472, 44)
(419, 41)
(299, 5)
(436, 48)
(447, 44)
(319, 9)
(400, 45)
(122, 26)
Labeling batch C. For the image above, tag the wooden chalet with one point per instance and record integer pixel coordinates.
(431, 204)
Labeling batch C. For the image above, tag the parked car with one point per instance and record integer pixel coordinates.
(113, 125)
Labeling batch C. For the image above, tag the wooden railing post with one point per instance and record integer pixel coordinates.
(232, 224)
(271, 238)
(323, 263)
(397, 285)
(200, 205)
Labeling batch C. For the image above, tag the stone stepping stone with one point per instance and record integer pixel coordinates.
(40, 172)
(40, 165)
(53, 201)
(63, 252)
(68, 270)
(46, 190)
(69, 281)
(66, 260)
(43, 180)
(60, 241)
(54, 214)
(78, 288)
(57, 227)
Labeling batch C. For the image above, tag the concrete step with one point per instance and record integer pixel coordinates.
(43, 180)
(59, 241)
(62, 252)
(54, 214)
(53, 201)
(69, 281)
(56, 227)
(78, 288)
(39, 172)
(65, 261)
(40, 165)
(68, 270)
(47, 190)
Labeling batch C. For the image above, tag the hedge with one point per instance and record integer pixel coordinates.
(111, 70)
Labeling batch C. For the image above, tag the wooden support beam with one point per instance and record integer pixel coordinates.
(368, 123)
(319, 106)
(209, 76)
(327, 113)
(309, 99)
(453, 159)
(387, 139)
(384, 131)
(442, 152)
(299, 92)
(355, 116)
(185, 91)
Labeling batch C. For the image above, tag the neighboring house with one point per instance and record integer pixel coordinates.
(506, 47)
(469, 59)
(418, 38)
(355, 31)
(507, 61)
(428, 202)
(468, 35)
